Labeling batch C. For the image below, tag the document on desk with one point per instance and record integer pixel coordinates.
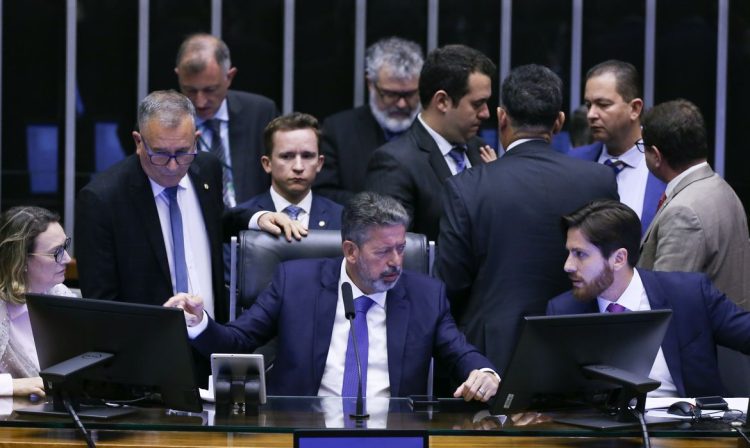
(657, 407)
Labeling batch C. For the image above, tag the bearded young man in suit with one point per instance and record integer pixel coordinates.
(499, 248)
(231, 122)
(454, 86)
(407, 318)
(701, 225)
(602, 240)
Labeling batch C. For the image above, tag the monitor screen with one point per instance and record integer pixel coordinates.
(152, 355)
(546, 367)
(361, 438)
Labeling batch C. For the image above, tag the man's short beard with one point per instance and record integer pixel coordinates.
(598, 285)
(395, 125)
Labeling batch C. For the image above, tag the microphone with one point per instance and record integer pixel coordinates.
(347, 296)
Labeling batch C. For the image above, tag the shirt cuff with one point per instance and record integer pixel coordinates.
(488, 370)
(253, 224)
(194, 332)
(6, 385)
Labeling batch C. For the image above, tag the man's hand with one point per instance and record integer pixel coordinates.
(23, 387)
(479, 386)
(487, 154)
(277, 223)
(191, 305)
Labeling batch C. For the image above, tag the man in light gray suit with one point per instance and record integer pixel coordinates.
(701, 225)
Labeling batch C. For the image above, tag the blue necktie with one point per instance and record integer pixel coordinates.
(616, 308)
(217, 149)
(293, 211)
(178, 241)
(361, 305)
(615, 164)
(457, 154)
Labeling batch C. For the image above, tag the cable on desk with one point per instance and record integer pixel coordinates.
(742, 433)
(644, 429)
(82, 429)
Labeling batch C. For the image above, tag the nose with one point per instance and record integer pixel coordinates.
(401, 103)
(569, 266)
(66, 258)
(172, 165)
(200, 99)
(592, 113)
(484, 112)
(298, 165)
(395, 259)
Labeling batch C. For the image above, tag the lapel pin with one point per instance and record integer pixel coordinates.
(321, 223)
(205, 186)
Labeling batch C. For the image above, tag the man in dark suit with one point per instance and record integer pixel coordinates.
(603, 241)
(231, 122)
(392, 68)
(454, 86)
(614, 109)
(499, 242)
(303, 306)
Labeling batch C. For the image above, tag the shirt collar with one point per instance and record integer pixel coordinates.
(673, 183)
(632, 157)
(222, 114)
(378, 297)
(15, 310)
(632, 298)
(280, 203)
(520, 141)
(444, 145)
(157, 189)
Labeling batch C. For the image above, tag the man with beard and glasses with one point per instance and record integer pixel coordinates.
(602, 242)
(349, 137)
(406, 317)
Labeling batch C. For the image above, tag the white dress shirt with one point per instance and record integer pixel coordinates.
(631, 181)
(197, 247)
(279, 203)
(445, 147)
(207, 137)
(635, 299)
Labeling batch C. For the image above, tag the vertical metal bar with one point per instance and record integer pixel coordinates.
(143, 24)
(722, 50)
(216, 17)
(649, 54)
(576, 46)
(360, 26)
(288, 80)
(506, 16)
(70, 115)
(1, 100)
(433, 8)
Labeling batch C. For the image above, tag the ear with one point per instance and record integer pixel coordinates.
(502, 119)
(265, 161)
(619, 259)
(442, 101)
(137, 139)
(658, 156)
(230, 75)
(559, 122)
(321, 160)
(351, 251)
(636, 106)
(177, 71)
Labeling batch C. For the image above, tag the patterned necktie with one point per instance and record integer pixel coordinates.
(457, 154)
(615, 164)
(217, 149)
(616, 308)
(178, 241)
(293, 211)
(349, 389)
(661, 201)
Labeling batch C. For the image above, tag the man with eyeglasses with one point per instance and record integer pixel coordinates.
(349, 137)
(612, 96)
(150, 226)
(455, 85)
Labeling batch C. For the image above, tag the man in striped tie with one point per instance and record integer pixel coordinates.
(603, 241)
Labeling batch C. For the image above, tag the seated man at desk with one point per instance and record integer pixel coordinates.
(406, 315)
(603, 239)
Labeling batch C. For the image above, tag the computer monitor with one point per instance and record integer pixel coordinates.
(151, 355)
(560, 361)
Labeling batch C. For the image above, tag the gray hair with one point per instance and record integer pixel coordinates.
(366, 210)
(167, 106)
(196, 49)
(403, 57)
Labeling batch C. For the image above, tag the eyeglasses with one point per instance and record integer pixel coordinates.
(392, 96)
(640, 146)
(162, 159)
(58, 254)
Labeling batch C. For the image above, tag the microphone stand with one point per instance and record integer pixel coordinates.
(346, 293)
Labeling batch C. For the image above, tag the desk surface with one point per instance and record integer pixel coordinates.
(454, 424)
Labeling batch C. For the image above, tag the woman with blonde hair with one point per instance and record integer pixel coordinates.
(33, 256)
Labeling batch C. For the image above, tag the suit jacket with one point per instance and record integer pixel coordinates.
(412, 169)
(299, 306)
(349, 138)
(500, 250)
(654, 187)
(248, 116)
(119, 243)
(701, 318)
(702, 227)
(324, 213)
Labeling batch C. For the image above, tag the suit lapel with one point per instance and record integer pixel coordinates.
(265, 203)
(318, 214)
(427, 144)
(472, 151)
(396, 323)
(325, 314)
(670, 345)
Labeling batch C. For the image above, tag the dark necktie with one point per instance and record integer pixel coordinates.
(616, 308)
(217, 149)
(616, 165)
(293, 211)
(178, 241)
(457, 154)
(662, 198)
(349, 389)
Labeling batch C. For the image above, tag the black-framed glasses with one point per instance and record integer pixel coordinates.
(162, 159)
(58, 254)
(640, 146)
(392, 96)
